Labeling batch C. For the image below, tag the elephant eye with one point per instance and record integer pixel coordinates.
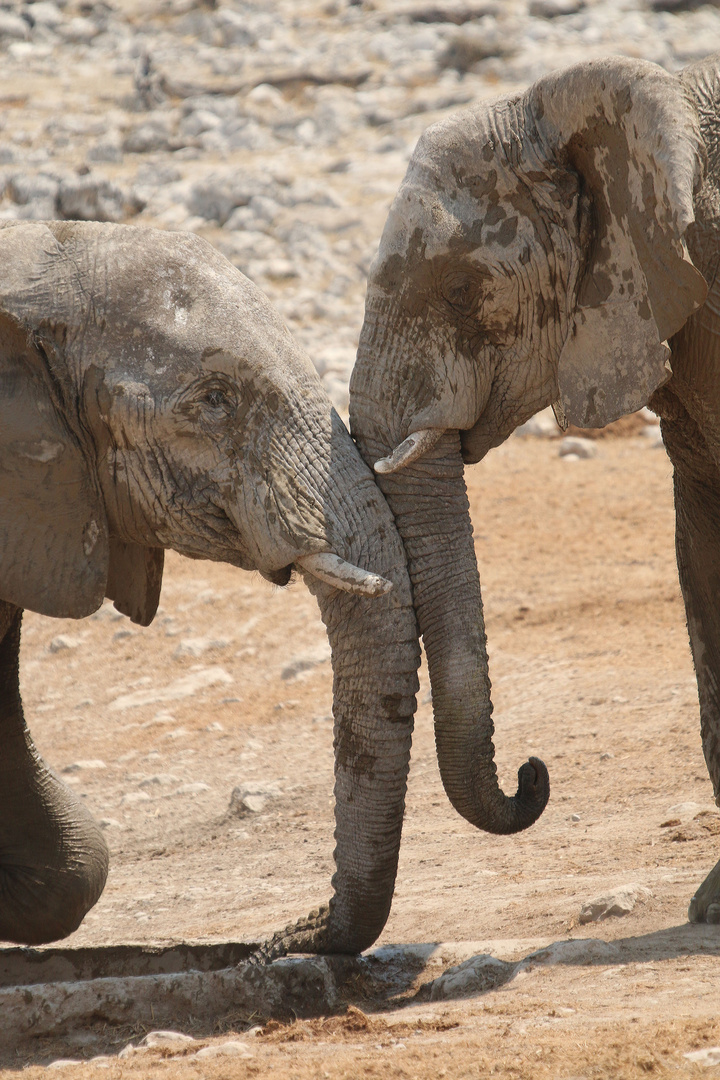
(217, 398)
(461, 294)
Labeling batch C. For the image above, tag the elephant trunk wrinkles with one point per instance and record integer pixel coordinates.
(375, 656)
(429, 501)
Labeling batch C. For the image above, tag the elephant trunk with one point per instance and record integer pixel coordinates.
(375, 657)
(429, 501)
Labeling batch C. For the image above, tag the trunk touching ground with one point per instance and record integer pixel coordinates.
(53, 858)
(375, 657)
(429, 501)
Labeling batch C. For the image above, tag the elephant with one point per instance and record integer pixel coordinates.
(151, 398)
(558, 246)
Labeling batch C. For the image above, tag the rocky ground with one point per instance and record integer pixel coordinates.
(204, 743)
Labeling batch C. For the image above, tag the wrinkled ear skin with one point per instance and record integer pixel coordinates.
(53, 528)
(632, 134)
(135, 579)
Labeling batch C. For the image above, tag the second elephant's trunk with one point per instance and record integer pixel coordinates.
(429, 501)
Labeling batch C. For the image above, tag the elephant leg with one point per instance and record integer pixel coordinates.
(697, 541)
(53, 857)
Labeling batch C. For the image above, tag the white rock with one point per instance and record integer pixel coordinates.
(109, 823)
(705, 1057)
(92, 198)
(45, 13)
(682, 812)
(550, 9)
(574, 951)
(232, 1048)
(13, 26)
(581, 448)
(251, 798)
(147, 137)
(196, 646)
(473, 976)
(171, 1039)
(159, 780)
(196, 788)
(306, 662)
(542, 425)
(181, 688)
(62, 1063)
(617, 902)
(62, 642)
(133, 797)
(78, 30)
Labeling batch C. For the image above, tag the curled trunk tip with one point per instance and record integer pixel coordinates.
(532, 793)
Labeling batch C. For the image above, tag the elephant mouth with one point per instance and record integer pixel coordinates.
(279, 577)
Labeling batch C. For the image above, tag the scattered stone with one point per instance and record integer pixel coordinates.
(159, 780)
(475, 976)
(231, 1048)
(542, 425)
(93, 198)
(251, 798)
(573, 445)
(606, 756)
(306, 663)
(109, 823)
(707, 1057)
(82, 766)
(148, 137)
(13, 26)
(196, 788)
(551, 9)
(681, 813)
(63, 1063)
(617, 903)
(574, 951)
(63, 642)
(181, 688)
(197, 646)
(133, 797)
(171, 1039)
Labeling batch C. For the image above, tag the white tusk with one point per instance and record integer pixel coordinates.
(343, 575)
(410, 450)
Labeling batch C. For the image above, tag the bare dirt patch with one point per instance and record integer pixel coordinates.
(591, 670)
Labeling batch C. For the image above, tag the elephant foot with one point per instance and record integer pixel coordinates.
(705, 904)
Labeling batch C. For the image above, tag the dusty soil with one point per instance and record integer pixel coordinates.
(591, 670)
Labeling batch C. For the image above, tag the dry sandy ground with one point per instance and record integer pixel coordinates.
(591, 670)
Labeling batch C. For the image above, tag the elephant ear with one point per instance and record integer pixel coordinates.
(630, 130)
(53, 529)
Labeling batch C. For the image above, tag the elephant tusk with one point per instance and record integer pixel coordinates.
(410, 450)
(343, 575)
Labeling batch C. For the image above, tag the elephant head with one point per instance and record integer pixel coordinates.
(534, 254)
(151, 398)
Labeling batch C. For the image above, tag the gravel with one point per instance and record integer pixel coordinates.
(279, 132)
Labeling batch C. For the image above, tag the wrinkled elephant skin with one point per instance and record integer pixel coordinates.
(560, 246)
(151, 398)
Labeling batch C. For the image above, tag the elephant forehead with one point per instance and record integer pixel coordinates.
(424, 228)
